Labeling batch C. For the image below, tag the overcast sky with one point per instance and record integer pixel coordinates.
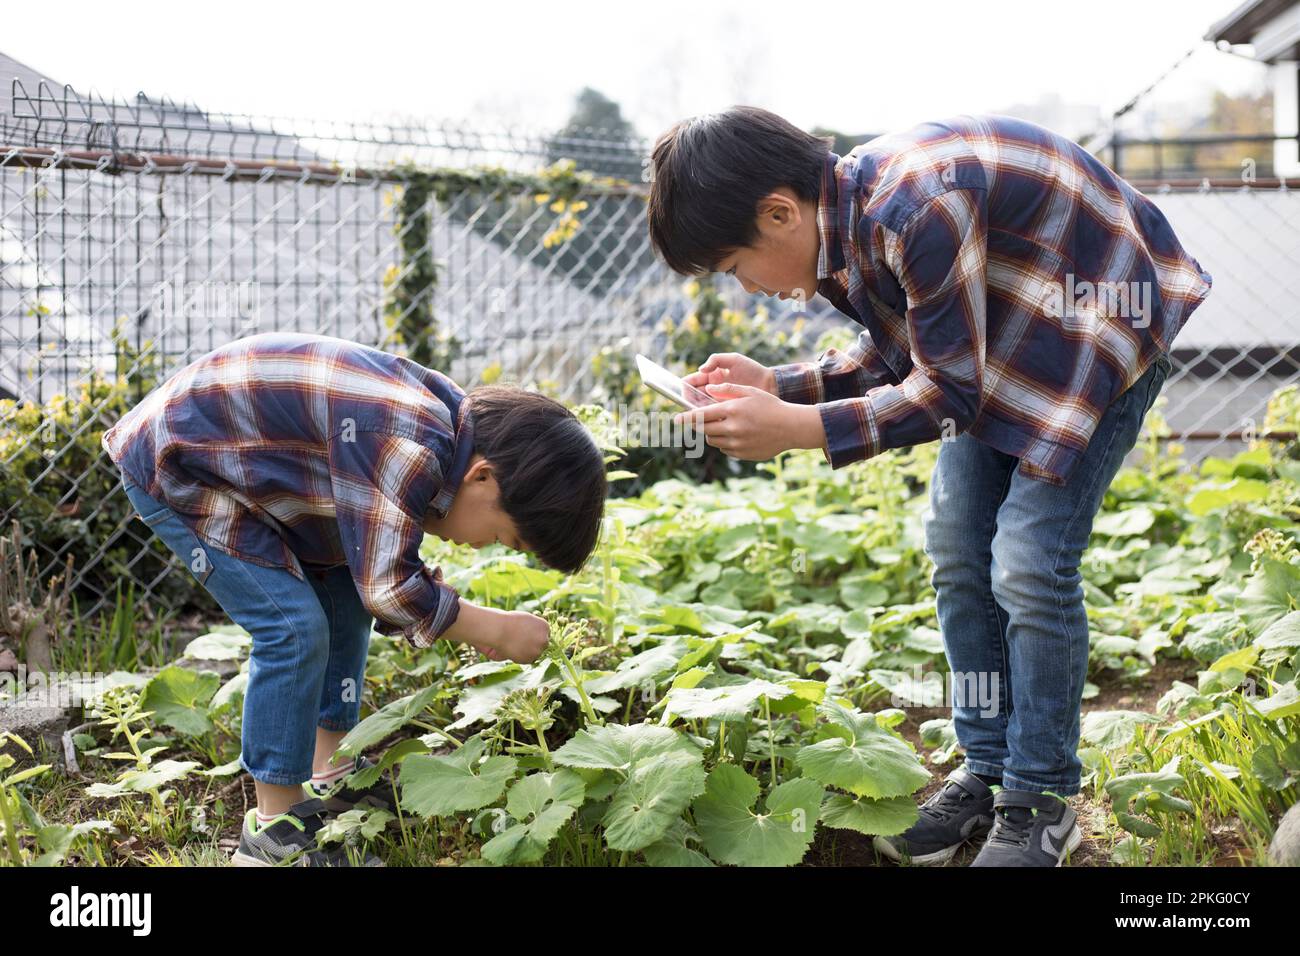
(859, 66)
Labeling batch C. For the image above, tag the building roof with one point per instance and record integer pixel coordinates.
(1248, 21)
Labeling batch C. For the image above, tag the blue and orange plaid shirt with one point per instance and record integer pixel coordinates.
(287, 448)
(1009, 285)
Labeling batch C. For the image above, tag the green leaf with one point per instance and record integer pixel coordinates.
(883, 817)
(385, 720)
(219, 645)
(1136, 825)
(1124, 789)
(733, 832)
(1284, 632)
(541, 803)
(1124, 524)
(675, 849)
(863, 757)
(619, 746)
(730, 702)
(438, 786)
(640, 669)
(1110, 729)
(142, 781)
(179, 698)
(1268, 594)
(1284, 702)
(653, 796)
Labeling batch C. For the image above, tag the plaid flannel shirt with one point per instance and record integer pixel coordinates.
(1010, 286)
(289, 448)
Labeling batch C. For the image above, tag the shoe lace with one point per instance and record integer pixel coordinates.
(1013, 827)
(945, 802)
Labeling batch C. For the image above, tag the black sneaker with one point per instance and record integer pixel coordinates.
(1029, 829)
(338, 797)
(290, 840)
(961, 810)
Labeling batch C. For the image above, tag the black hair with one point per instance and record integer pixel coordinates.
(709, 174)
(550, 472)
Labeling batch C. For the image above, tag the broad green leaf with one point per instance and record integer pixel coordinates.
(385, 720)
(229, 691)
(640, 669)
(940, 735)
(1217, 497)
(1124, 524)
(1136, 825)
(438, 786)
(863, 757)
(734, 832)
(730, 702)
(228, 769)
(218, 646)
(1124, 789)
(654, 795)
(1238, 660)
(882, 817)
(541, 803)
(179, 698)
(1284, 702)
(674, 848)
(619, 746)
(1110, 729)
(142, 781)
(1270, 593)
(1282, 633)
(479, 704)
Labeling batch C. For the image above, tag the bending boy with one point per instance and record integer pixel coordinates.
(1019, 301)
(296, 476)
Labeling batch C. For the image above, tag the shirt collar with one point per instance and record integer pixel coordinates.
(459, 460)
(830, 257)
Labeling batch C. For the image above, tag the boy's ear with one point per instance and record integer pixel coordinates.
(481, 470)
(779, 205)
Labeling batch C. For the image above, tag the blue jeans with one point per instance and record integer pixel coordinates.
(310, 640)
(1006, 552)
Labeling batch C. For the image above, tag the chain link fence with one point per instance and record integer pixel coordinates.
(186, 229)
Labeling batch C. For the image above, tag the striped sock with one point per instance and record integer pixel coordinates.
(264, 818)
(324, 778)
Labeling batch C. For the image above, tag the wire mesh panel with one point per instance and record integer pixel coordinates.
(153, 232)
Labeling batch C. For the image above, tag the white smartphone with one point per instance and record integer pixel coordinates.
(670, 386)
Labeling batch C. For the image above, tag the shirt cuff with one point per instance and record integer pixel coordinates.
(428, 629)
(799, 383)
(850, 426)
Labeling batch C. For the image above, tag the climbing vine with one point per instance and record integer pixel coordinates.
(409, 283)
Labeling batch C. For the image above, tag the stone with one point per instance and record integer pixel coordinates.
(1285, 848)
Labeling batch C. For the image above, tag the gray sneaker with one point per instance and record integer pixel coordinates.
(1030, 829)
(290, 840)
(961, 810)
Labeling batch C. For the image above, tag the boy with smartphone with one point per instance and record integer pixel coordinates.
(1019, 301)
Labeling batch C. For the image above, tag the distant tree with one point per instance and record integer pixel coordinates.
(598, 138)
(844, 142)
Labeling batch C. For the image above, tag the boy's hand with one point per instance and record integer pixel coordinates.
(524, 637)
(735, 369)
(753, 424)
(501, 635)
